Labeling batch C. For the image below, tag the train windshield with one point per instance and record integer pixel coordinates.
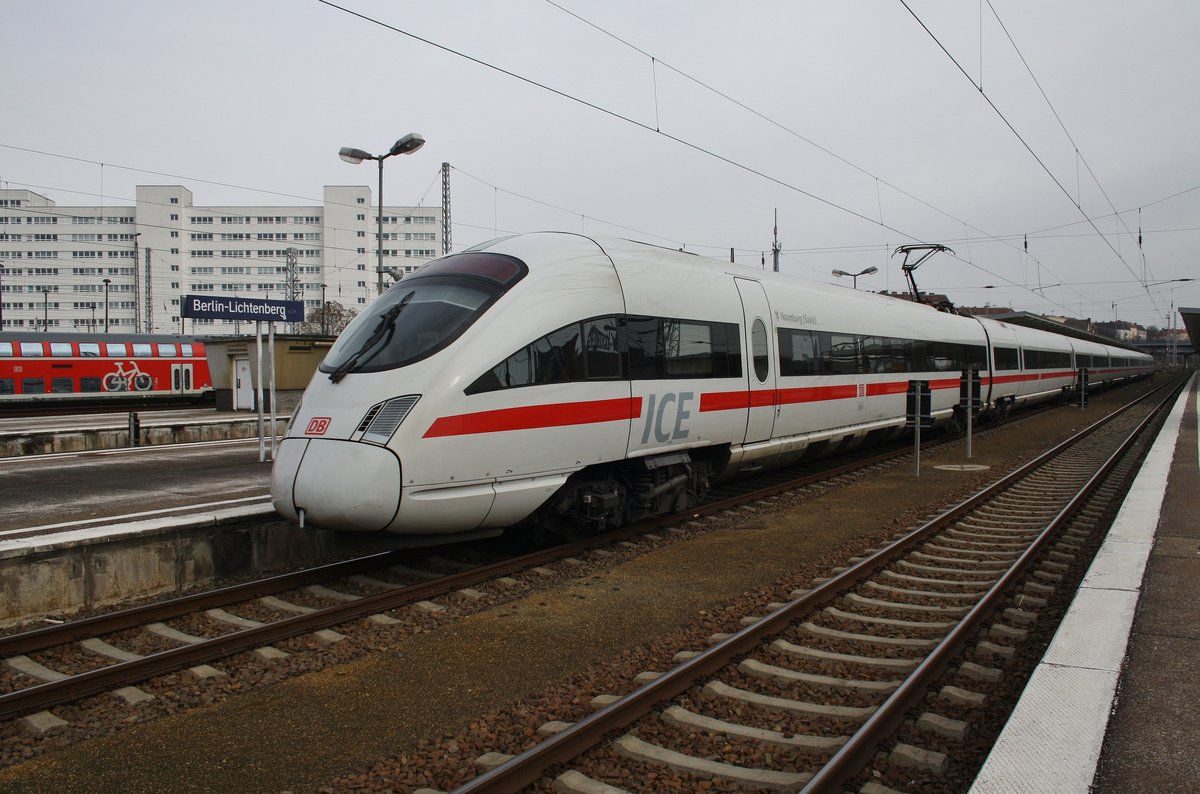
(422, 313)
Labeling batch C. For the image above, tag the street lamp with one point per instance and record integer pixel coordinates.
(324, 313)
(45, 310)
(406, 145)
(93, 327)
(107, 281)
(855, 276)
(1, 297)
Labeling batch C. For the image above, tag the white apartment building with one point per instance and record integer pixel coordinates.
(63, 268)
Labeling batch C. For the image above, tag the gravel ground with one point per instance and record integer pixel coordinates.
(416, 707)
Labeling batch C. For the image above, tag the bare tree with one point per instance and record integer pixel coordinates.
(328, 320)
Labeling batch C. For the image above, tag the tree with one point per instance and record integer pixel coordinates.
(329, 320)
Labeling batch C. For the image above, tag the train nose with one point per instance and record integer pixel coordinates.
(339, 485)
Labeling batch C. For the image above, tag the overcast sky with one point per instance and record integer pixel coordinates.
(686, 124)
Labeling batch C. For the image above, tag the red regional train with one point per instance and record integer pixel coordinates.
(41, 369)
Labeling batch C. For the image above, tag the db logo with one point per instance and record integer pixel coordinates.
(317, 426)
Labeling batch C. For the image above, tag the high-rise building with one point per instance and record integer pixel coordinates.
(63, 268)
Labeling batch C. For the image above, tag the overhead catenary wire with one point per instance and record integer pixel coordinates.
(648, 128)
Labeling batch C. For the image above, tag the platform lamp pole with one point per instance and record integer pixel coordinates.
(406, 145)
(107, 281)
(867, 272)
(1, 296)
(45, 310)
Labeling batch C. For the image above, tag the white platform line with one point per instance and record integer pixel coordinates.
(131, 516)
(1053, 738)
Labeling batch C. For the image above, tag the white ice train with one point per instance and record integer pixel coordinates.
(587, 383)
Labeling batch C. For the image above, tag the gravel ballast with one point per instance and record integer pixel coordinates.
(417, 711)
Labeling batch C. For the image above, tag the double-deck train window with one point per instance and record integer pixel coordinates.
(185, 350)
(142, 349)
(31, 349)
(60, 349)
(115, 349)
(33, 386)
(6, 385)
(89, 349)
(89, 384)
(62, 385)
(166, 350)
(6, 351)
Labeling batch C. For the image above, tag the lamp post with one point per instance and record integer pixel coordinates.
(45, 310)
(93, 327)
(1, 297)
(406, 145)
(855, 276)
(107, 281)
(324, 313)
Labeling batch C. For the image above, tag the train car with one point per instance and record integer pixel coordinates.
(574, 382)
(91, 368)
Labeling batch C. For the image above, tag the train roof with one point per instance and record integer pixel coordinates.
(76, 336)
(1030, 320)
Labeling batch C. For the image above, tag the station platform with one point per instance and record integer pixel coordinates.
(112, 429)
(1113, 706)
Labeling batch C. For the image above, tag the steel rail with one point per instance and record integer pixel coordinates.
(858, 751)
(526, 768)
(49, 694)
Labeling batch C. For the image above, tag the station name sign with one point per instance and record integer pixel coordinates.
(212, 307)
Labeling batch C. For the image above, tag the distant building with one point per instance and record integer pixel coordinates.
(54, 260)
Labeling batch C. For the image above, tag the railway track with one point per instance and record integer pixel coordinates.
(874, 678)
(46, 667)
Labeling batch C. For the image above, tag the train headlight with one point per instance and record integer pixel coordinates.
(383, 418)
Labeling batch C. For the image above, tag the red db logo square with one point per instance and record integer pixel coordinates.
(317, 426)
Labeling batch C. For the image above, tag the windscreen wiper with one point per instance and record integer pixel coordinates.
(386, 327)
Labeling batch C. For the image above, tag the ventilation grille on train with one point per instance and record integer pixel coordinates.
(383, 419)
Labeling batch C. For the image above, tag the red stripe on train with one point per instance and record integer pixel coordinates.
(535, 416)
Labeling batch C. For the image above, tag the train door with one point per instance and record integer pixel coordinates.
(243, 387)
(181, 378)
(760, 361)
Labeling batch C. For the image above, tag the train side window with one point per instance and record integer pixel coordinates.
(758, 346)
(6, 349)
(641, 342)
(1006, 358)
(115, 349)
(841, 353)
(60, 349)
(974, 356)
(559, 356)
(167, 350)
(89, 349)
(687, 349)
(602, 359)
(89, 385)
(6, 385)
(31, 349)
(62, 385)
(799, 352)
(727, 350)
(33, 386)
(185, 350)
(142, 349)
